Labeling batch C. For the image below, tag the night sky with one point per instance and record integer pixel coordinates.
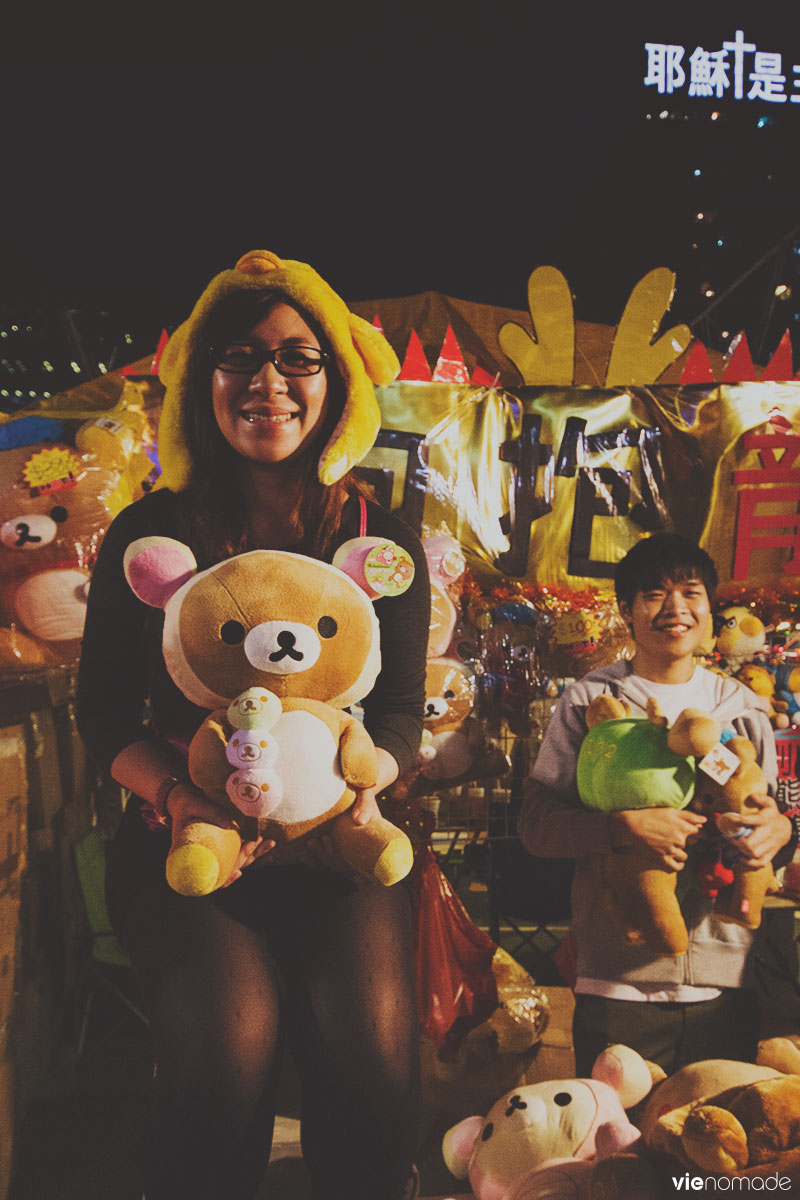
(397, 150)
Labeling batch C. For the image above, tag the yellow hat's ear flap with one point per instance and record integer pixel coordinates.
(173, 455)
(171, 354)
(380, 361)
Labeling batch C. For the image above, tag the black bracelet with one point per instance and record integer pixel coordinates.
(158, 809)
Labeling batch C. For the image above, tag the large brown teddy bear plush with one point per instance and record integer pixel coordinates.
(278, 645)
(740, 901)
(727, 1118)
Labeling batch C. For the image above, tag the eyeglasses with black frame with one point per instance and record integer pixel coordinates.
(243, 358)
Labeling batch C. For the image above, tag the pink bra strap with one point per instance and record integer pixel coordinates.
(362, 529)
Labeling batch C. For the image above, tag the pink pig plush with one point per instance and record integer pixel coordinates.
(545, 1139)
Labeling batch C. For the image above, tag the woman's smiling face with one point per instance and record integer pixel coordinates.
(267, 417)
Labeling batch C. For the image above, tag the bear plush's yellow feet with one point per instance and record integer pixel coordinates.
(378, 849)
(202, 858)
(715, 1140)
(395, 862)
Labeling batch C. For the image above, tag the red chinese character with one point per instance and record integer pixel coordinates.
(758, 487)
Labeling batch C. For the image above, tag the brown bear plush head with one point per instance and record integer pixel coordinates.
(293, 625)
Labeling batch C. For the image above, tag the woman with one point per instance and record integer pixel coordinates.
(269, 402)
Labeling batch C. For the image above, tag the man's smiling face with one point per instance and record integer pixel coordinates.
(669, 621)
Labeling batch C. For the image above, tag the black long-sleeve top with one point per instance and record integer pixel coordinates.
(125, 694)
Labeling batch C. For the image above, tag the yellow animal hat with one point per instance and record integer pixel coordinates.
(363, 357)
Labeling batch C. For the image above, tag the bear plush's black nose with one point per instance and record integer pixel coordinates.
(24, 535)
(516, 1103)
(286, 640)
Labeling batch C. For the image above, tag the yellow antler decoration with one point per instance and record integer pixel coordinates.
(547, 357)
(635, 358)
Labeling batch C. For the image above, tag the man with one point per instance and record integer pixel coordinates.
(701, 1004)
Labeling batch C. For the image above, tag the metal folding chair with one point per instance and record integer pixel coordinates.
(105, 964)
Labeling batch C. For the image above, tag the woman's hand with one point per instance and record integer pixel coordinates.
(663, 833)
(186, 803)
(771, 830)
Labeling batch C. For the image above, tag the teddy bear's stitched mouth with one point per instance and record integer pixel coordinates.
(286, 640)
(282, 647)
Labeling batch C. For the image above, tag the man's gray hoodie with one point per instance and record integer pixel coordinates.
(554, 824)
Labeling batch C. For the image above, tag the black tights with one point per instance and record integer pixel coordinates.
(284, 951)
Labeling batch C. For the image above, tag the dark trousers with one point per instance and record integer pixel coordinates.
(285, 953)
(668, 1033)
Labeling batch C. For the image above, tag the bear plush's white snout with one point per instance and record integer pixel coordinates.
(282, 647)
(28, 532)
(435, 706)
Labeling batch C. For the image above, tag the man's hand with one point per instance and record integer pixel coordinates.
(663, 833)
(771, 830)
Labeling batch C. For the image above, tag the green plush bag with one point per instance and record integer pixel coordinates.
(626, 763)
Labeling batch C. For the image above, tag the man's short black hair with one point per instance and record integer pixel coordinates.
(658, 559)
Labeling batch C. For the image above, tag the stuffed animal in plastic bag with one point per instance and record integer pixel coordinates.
(53, 518)
(278, 645)
(446, 565)
(462, 752)
(119, 440)
(636, 762)
(549, 1139)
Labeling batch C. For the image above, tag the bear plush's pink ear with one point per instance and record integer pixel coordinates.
(155, 567)
(626, 1072)
(458, 1144)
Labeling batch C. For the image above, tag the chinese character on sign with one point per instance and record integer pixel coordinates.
(664, 70)
(767, 79)
(739, 47)
(708, 73)
(773, 530)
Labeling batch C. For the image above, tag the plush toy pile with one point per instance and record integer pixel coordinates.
(278, 645)
(719, 1120)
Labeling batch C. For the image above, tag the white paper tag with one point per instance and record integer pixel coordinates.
(719, 763)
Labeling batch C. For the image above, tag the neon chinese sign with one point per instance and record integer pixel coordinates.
(739, 69)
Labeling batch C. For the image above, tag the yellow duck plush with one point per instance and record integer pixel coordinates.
(278, 645)
(741, 636)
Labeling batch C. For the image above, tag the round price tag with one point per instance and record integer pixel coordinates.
(389, 569)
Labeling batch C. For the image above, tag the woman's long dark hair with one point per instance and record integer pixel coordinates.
(212, 511)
